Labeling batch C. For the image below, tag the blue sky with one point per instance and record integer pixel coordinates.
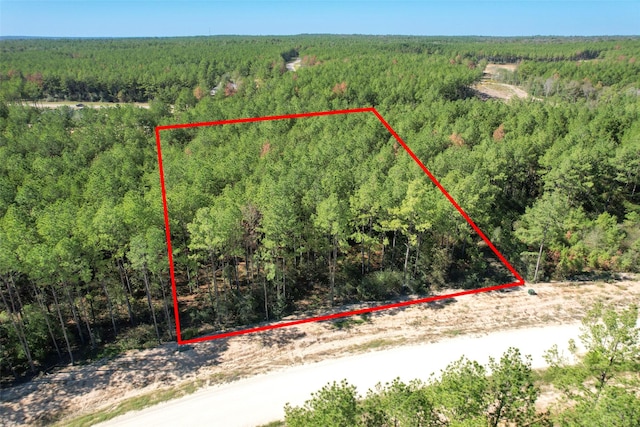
(134, 18)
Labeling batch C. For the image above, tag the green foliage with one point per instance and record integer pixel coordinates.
(599, 387)
(279, 216)
(617, 406)
(459, 392)
(140, 337)
(595, 384)
(398, 404)
(335, 404)
(380, 285)
(348, 322)
(462, 395)
(12, 353)
(511, 392)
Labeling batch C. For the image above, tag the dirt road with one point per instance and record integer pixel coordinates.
(103, 385)
(489, 87)
(259, 400)
(79, 105)
(294, 65)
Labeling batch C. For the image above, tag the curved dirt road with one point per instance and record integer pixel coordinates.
(260, 399)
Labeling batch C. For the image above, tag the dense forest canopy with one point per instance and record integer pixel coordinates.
(144, 69)
(293, 216)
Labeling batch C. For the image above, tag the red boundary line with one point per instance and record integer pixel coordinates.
(519, 280)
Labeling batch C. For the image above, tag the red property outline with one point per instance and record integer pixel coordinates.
(519, 280)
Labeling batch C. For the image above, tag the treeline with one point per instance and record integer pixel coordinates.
(140, 70)
(577, 80)
(597, 391)
(131, 70)
(280, 217)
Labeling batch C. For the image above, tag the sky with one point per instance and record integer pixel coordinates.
(160, 18)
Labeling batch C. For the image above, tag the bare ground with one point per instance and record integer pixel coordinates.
(77, 390)
(489, 88)
(74, 104)
(294, 65)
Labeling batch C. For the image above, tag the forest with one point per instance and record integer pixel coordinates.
(290, 217)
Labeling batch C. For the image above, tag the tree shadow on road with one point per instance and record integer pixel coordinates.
(440, 304)
(42, 400)
(280, 337)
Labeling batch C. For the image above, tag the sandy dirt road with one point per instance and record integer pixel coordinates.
(294, 65)
(74, 104)
(103, 385)
(259, 400)
(490, 87)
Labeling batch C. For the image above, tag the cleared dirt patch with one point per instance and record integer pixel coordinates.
(81, 105)
(493, 69)
(294, 65)
(489, 87)
(78, 390)
(499, 91)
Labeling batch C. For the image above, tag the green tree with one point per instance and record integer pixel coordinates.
(217, 230)
(412, 218)
(143, 254)
(335, 404)
(281, 227)
(186, 100)
(459, 394)
(13, 235)
(543, 223)
(594, 384)
(511, 393)
(331, 217)
(398, 404)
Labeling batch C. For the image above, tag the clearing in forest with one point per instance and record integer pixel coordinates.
(490, 87)
(246, 276)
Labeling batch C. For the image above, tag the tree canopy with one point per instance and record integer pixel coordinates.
(284, 217)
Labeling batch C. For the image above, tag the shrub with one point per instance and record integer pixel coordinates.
(139, 337)
(334, 405)
(380, 285)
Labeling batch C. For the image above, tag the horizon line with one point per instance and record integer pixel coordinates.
(41, 37)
